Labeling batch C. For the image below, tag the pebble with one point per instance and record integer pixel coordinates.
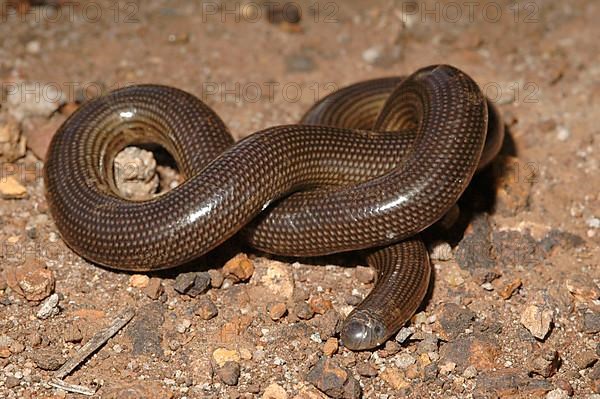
(330, 347)
(470, 372)
(222, 355)
(26, 99)
(12, 143)
(216, 278)
(319, 305)
(206, 309)
(303, 311)
(353, 300)
(557, 394)
(277, 311)
(192, 284)
(365, 275)
(135, 173)
(454, 320)
(545, 364)
(366, 369)
(591, 323)
(154, 288)
(332, 379)
(144, 389)
(12, 382)
(10, 188)
(537, 321)
(229, 373)
(404, 360)
(583, 288)
(139, 280)
(585, 359)
(183, 326)
(372, 54)
(404, 334)
(394, 378)
(72, 333)
(562, 133)
(38, 132)
(509, 289)
(48, 307)
(440, 250)
(240, 268)
(47, 359)
(274, 391)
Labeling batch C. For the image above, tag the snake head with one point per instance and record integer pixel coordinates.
(361, 331)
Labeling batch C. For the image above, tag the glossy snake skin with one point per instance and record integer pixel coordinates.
(368, 168)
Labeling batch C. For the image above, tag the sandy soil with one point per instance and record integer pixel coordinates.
(514, 308)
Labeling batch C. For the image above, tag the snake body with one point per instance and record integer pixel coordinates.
(368, 168)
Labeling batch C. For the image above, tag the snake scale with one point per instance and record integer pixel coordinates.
(368, 168)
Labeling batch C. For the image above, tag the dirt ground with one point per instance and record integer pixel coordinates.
(514, 306)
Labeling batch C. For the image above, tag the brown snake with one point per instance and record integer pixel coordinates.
(370, 166)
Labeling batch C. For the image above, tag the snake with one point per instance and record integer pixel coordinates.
(365, 171)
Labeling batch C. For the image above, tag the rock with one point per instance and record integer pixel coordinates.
(12, 382)
(440, 250)
(206, 309)
(135, 173)
(390, 349)
(330, 347)
(229, 373)
(404, 360)
(154, 288)
(220, 356)
(72, 333)
(47, 359)
(303, 311)
(470, 372)
(277, 278)
(28, 99)
(585, 359)
(454, 320)
(372, 54)
(48, 307)
(475, 249)
(216, 278)
(239, 268)
(366, 369)
(353, 300)
(136, 390)
(477, 350)
(514, 179)
(310, 393)
(557, 394)
(404, 334)
(277, 311)
(319, 305)
(12, 143)
(537, 321)
(594, 377)
(327, 324)
(10, 188)
(583, 288)
(365, 275)
(39, 132)
(509, 289)
(192, 284)
(274, 391)
(591, 323)
(394, 378)
(563, 239)
(516, 249)
(139, 281)
(332, 379)
(31, 280)
(145, 330)
(509, 383)
(545, 364)
(183, 326)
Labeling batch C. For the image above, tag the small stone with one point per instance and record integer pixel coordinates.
(222, 355)
(537, 321)
(130, 390)
(192, 284)
(327, 324)
(154, 288)
(135, 173)
(25, 104)
(183, 326)
(72, 333)
(48, 307)
(332, 379)
(206, 309)
(274, 391)
(476, 350)
(319, 305)
(470, 372)
(565, 386)
(454, 320)
(545, 364)
(404, 334)
(39, 132)
(229, 373)
(47, 359)
(277, 311)
(330, 347)
(591, 322)
(508, 290)
(404, 360)
(585, 359)
(366, 370)
(390, 349)
(10, 188)
(216, 278)
(372, 54)
(240, 268)
(394, 378)
(562, 133)
(365, 275)
(353, 300)
(440, 250)
(12, 143)
(12, 382)
(139, 281)
(583, 288)
(303, 311)
(557, 394)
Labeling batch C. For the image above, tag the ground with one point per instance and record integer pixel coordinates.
(513, 308)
